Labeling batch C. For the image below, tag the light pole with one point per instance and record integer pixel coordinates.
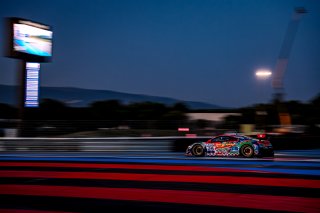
(261, 111)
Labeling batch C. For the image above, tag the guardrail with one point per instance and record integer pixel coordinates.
(116, 144)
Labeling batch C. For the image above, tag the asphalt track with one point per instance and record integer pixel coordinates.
(158, 182)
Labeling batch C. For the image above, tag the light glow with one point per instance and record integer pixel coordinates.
(263, 73)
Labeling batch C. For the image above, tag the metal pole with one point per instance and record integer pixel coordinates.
(21, 96)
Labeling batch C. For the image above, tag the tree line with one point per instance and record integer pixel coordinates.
(100, 114)
(150, 115)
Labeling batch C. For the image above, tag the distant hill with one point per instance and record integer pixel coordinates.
(76, 97)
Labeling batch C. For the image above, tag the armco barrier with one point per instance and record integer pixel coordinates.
(117, 144)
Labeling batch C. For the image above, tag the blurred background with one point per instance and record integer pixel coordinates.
(168, 68)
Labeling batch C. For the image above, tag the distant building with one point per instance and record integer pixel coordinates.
(215, 117)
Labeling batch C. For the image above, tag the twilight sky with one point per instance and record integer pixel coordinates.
(196, 50)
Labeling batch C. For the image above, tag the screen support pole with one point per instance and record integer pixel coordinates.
(21, 96)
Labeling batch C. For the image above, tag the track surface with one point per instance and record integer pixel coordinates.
(158, 182)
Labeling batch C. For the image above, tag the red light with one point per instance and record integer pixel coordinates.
(183, 129)
(261, 135)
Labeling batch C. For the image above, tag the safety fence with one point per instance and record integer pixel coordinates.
(117, 144)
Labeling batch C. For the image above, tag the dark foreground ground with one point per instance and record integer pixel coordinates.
(158, 182)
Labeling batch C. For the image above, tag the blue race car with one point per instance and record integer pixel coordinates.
(232, 145)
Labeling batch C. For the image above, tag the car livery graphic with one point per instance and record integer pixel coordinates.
(232, 145)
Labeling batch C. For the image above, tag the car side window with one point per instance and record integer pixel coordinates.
(226, 138)
(218, 139)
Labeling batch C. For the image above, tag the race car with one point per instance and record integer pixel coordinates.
(232, 145)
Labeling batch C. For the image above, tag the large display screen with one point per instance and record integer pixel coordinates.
(32, 40)
(29, 40)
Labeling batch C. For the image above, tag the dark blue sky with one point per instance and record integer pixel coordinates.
(186, 49)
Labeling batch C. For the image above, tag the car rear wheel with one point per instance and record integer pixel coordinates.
(247, 151)
(197, 150)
